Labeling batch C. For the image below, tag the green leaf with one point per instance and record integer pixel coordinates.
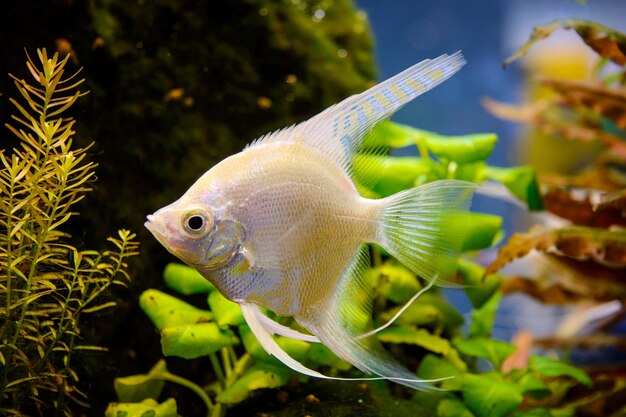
(145, 408)
(394, 174)
(434, 367)
(477, 230)
(484, 317)
(535, 412)
(185, 280)
(495, 351)
(134, 388)
(261, 375)
(478, 289)
(396, 283)
(489, 395)
(321, 355)
(554, 368)
(453, 407)
(195, 340)
(414, 336)
(521, 181)
(461, 149)
(226, 312)
(297, 349)
(167, 311)
(530, 384)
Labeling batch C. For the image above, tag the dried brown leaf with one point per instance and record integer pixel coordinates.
(609, 102)
(615, 199)
(607, 42)
(576, 205)
(546, 118)
(547, 293)
(604, 247)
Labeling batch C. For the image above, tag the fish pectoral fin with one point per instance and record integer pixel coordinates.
(273, 327)
(252, 314)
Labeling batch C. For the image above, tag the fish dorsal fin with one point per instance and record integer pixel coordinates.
(340, 130)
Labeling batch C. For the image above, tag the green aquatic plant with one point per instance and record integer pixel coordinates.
(48, 286)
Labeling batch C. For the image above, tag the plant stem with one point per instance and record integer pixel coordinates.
(228, 368)
(166, 376)
(217, 368)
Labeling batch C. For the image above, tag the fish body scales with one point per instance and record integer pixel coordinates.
(304, 219)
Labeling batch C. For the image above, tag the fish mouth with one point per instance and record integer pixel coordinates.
(157, 230)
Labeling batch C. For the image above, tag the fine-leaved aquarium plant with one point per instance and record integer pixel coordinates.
(48, 286)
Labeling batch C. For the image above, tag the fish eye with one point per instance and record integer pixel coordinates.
(197, 222)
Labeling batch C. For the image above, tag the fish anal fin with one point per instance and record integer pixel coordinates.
(342, 321)
(251, 313)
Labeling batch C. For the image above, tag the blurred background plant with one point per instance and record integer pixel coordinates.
(47, 285)
(579, 249)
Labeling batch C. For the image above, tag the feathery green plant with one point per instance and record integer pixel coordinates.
(46, 284)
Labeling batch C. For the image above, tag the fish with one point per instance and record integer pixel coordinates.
(282, 226)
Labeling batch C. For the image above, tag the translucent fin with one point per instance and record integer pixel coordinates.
(399, 313)
(339, 323)
(340, 130)
(274, 327)
(496, 190)
(415, 227)
(252, 314)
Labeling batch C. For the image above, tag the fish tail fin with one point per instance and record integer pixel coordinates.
(341, 323)
(415, 227)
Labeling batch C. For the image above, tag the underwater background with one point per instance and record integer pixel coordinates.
(177, 85)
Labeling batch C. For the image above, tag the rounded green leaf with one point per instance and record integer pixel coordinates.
(166, 311)
(434, 367)
(424, 339)
(136, 388)
(478, 288)
(185, 280)
(495, 351)
(489, 395)
(521, 181)
(462, 149)
(394, 174)
(146, 408)
(484, 316)
(195, 340)
(226, 312)
(476, 230)
(554, 368)
(261, 375)
(297, 349)
(396, 283)
(452, 407)
(321, 355)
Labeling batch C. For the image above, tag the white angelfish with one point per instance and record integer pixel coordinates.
(281, 225)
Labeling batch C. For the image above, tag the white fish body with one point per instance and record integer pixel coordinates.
(281, 225)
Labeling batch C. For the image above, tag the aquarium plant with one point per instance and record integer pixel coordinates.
(47, 285)
(584, 250)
